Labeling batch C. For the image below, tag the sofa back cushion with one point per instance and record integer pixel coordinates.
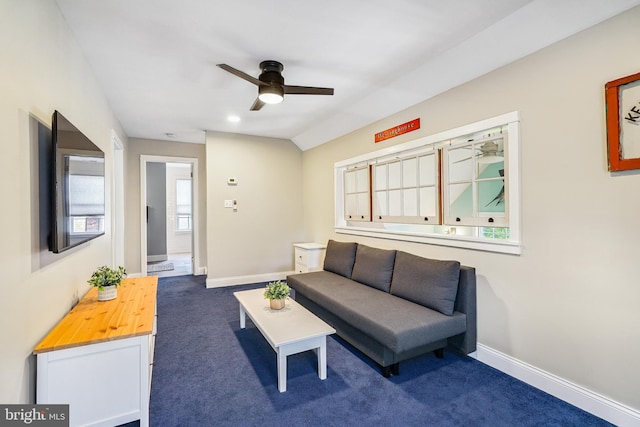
(339, 257)
(429, 282)
(374, 267)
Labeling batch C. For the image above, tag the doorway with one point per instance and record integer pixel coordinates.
(169, 222)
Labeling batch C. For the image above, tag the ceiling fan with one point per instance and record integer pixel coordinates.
(271, 87)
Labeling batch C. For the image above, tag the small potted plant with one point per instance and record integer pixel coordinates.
(276, 292)
(107, 281)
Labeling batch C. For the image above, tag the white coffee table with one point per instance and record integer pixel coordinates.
(292, 330)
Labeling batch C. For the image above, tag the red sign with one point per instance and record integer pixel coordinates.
(398, 130)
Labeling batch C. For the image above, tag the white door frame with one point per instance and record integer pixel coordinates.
(117, 207)
(195, 241)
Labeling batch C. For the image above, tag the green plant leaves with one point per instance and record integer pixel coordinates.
(105, 276)
(277, 290)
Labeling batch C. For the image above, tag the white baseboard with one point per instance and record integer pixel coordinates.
(242, 280)
(200, 271)
(600, 406)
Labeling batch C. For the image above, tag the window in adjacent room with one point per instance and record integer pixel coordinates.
(183, 205)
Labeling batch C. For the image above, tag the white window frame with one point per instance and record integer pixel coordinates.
(444, 235)
(405, 212)
(476, 218)
(181, 214)
(359, 208)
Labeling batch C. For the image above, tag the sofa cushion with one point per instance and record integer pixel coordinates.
(430, 282)
(374, 267)
(339, 257)
(394, 322)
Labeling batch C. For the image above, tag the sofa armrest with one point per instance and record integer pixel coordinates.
(466, 303)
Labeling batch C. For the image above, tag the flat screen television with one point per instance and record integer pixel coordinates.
(78, 187)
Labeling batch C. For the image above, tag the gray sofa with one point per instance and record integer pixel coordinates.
(392, 305)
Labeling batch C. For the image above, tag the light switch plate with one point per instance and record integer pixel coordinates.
(228, 203)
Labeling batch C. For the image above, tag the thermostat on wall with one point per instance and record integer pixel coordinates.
(232, 181)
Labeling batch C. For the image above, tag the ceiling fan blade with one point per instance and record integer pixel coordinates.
(307, 90)
(257, 104)
(241, 74)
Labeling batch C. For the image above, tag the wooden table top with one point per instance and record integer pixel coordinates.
(92, 321)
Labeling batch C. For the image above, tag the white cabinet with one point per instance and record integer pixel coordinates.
(78, 376)
(309, 256)
(102, 349)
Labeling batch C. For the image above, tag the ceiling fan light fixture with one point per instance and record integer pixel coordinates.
(270, 94)
(271, 87)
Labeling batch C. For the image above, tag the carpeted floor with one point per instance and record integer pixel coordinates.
(209, 372)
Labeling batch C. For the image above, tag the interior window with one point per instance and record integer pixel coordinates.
(406, 190)
(457, 188)
(356, 191)
(474, 181)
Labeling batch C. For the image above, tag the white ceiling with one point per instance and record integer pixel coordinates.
(156, 59)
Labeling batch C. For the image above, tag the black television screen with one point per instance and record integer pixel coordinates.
(78, 196)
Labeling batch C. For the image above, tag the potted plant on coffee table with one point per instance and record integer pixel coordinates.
(107, 281)
(276, 292)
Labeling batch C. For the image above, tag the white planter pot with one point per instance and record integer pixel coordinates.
(108, 293)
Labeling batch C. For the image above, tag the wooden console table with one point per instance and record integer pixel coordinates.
(99, 358)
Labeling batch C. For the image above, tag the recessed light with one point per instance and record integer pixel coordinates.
(233, 118)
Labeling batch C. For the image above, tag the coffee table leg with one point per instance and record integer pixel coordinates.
(282, 371)
(242, 317)
(322, 359)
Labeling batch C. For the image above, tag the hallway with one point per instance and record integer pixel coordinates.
(177, 265)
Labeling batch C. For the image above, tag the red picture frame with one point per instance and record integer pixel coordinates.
(615, 145)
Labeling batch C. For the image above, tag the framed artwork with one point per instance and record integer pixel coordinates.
(622, 97)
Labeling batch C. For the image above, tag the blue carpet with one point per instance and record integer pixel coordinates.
(209, 372)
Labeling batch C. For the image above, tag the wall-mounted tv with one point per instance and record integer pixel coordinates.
(78, 187)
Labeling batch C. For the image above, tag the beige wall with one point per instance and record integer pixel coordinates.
(258, 238)
(138, 147)
(569, 304)
(41, 70)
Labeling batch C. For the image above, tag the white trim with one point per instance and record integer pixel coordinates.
(117, 205)
(467, 242)
(585, 399)
(243, 280)
(195, 237)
